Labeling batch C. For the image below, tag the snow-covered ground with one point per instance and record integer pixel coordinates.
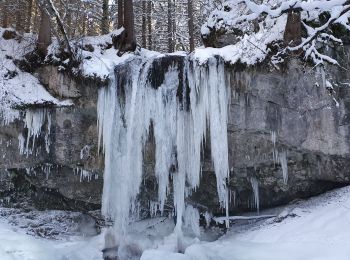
(316, 229)
(16, 244)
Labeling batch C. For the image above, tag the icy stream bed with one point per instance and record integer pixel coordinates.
(16, 244)
(314, 229)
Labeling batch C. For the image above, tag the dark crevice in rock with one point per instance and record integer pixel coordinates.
(26, 194)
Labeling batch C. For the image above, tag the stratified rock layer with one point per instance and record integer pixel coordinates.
(278, 121)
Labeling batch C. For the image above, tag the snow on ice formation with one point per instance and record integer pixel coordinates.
(179, 131)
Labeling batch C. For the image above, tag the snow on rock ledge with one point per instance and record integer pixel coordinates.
(250, 32)
(17, 88)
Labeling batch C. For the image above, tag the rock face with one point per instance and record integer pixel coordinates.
(288, 138)
(293, 118)
(68, 174)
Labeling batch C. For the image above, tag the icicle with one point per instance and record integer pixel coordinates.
(233, 197)
(208, 217)
(21, 144)
(273, 138)
(8, 115)
(47, 134)
(284, 166)
(84, 174)
(153, 208)
(46, 168)
(255, 187)
(34, 121)
(274, 150)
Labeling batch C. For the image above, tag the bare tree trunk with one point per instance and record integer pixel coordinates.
(19, 17)
(105, 17)
(36, 18)
(44, 37)
(5, 18)
(83, 29)
(149, 24)
(120, 13)
(292, 33)
(29, 16)
(170, 27)
(144, 24)
(130, 40)
(47, 7)
(190, 23)
(174, 28)
(50, 8)
(69, 23)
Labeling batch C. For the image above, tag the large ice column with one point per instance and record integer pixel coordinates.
(124, 129)
(209, 108)
(125, 113)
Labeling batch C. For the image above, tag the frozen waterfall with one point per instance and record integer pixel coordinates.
(188, 101)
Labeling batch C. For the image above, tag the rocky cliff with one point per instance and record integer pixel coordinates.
(288, 138)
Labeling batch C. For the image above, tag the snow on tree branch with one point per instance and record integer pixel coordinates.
(260, 29)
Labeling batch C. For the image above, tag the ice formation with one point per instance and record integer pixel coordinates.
(256, 198)
(46, 168)
(274, 150)
(153, 208)
(8, 115)
(191, 220)
(279, 157)
(84, 174)
(233, 197)
(284, 166)
(208, 217)
(34, 121)
(179, 127)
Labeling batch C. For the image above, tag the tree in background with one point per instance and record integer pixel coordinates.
(292, 33)
(120, 13)
(190, 24)
(105, 17)
(126, 41)
(130, 40)
(50, 9)
(160, 25)
(44, 36)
